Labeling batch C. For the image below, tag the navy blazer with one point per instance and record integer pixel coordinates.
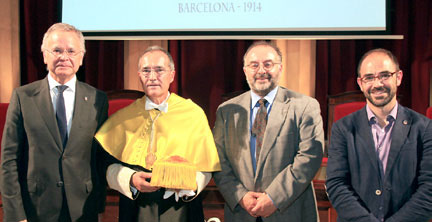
(355, 186)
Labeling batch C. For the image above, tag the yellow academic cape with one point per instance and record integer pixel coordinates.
(182, 131)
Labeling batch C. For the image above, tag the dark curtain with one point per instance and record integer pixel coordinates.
(103, 65)
(207, 69)
(103, 62)
(336, 61)
(35, 19)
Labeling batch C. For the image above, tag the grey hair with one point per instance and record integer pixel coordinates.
(262, 43)
(158, 48)
(66, 28)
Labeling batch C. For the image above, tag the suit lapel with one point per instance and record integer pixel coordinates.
(242, 132)
(275, 122)
(43, 103)
(81, 110)
(398, 136)
(365, 141)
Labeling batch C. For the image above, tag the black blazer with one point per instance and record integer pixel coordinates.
(33, 158)
(354, 184)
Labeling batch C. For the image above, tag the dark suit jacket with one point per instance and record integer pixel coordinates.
(289, 159)
(33, 158)
(355, 187)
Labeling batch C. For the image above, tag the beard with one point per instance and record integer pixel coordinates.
(262, 89)
(382, 100)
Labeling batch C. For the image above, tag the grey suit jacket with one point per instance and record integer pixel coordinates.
(358, 188)
(289, 159)
(34, 161)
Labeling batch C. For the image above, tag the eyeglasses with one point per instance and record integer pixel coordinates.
(60, 52)
(159, 71)
(267, 65)
(382, 76)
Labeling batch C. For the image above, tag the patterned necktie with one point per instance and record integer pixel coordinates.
(259, 126)
(61, 115)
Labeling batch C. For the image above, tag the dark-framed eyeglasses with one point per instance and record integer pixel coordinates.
(267, 65)
(60, 52)
(382, 76)
(159, 71)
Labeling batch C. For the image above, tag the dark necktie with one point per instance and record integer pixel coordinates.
(61, 115)
(259, 126)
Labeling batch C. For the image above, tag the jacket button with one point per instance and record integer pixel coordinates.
(60, 184)
(378, 192)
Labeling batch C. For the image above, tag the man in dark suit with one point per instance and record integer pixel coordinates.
(50, 161)
(380, 157)
(270, 142)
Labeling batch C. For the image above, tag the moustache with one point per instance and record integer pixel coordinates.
(262, 75)
(379, 89)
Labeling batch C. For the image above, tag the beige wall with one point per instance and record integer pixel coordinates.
(9, 45)
(298, 65)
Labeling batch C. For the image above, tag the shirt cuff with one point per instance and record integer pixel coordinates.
(202, 179)
(118, 178)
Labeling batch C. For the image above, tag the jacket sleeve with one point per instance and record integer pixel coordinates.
(419, 206)
(13, 143)
(230, 187)
(341, 194)
(297, 177)
(101, 157)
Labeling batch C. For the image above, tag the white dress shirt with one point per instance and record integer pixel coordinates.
(68, 95)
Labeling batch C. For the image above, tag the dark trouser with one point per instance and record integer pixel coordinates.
(64, 212)
(150, 207)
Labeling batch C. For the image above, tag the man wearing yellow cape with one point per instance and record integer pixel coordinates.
(162, 147)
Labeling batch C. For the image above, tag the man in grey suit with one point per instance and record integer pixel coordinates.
(270, 142)
(380, 157)
(50, 161)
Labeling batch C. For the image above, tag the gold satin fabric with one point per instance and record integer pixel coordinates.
(182, 131)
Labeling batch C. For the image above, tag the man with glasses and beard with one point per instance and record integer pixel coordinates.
(270, 142)
(380, 157)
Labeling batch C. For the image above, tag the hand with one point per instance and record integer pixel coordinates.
(139, 181)
(249, 201)
(264, 206)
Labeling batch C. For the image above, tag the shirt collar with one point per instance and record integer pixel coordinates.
(372, 117)
(71, 84)
(162, 107)
(269, 97)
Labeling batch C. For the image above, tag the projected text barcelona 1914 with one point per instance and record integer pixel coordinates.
(218, 7)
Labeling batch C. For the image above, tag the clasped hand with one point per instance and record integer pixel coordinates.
(258, 204)
(140, 180)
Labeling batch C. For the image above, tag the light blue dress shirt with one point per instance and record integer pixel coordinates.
(254, 109)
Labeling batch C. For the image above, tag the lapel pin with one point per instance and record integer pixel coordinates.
(405, 122)
(85, 98)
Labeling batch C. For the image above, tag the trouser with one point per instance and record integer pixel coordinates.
(151, 207)
(64, 212)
